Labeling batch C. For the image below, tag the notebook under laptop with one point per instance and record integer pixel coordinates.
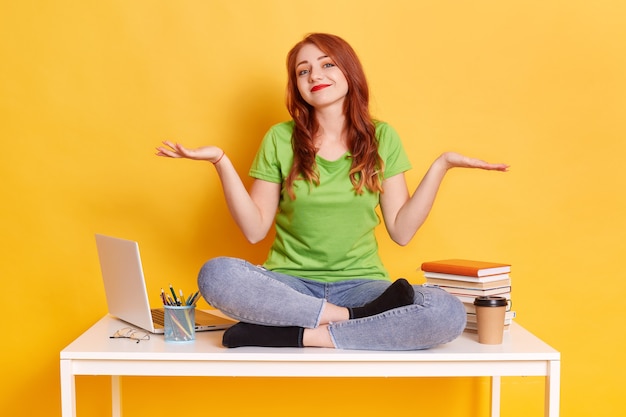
(125, 288)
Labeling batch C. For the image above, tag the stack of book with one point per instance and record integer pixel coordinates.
(468, 279)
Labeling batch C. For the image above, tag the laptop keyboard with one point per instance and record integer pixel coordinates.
(158, 317)
(202, 318)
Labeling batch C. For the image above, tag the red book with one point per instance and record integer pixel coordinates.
(466, 267)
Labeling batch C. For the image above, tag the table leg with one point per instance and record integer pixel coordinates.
(553, 389)
(495, 396)
(116, 396)
(68, 390)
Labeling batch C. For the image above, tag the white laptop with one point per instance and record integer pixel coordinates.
(125, 288)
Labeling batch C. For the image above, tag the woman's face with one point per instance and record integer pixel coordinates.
(320, 82)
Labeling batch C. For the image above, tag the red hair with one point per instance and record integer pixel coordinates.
(367, 165)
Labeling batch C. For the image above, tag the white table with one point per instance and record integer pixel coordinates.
(93, 353)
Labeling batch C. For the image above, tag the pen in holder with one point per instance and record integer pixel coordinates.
(180, 323)
(180, 316)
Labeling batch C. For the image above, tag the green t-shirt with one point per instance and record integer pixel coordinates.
(327, 232)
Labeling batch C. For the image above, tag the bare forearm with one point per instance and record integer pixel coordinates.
(242, 208)
(252, 211)
(415, 211)
(404, 214)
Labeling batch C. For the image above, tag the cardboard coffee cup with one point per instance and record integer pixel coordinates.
(490, 312)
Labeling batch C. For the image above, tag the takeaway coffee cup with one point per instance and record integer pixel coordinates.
(490, 311)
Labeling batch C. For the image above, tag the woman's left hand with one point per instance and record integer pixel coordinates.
(456, 160)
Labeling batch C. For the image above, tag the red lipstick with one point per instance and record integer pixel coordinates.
(319, 87)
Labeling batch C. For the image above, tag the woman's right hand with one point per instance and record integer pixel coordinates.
(176, 150)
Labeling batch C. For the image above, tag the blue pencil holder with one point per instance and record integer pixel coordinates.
(180, 323)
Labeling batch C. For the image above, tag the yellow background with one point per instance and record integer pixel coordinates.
(89, 88)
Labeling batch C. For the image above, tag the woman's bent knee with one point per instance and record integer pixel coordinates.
(214, 276)
(448, 315)
(455, 316)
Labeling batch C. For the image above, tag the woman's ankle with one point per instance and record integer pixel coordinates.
(333, 313)
(317, 337)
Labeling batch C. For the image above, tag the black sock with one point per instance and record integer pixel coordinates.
(399, 294)
(248, 334)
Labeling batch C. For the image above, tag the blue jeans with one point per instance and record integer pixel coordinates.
(252, 294)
